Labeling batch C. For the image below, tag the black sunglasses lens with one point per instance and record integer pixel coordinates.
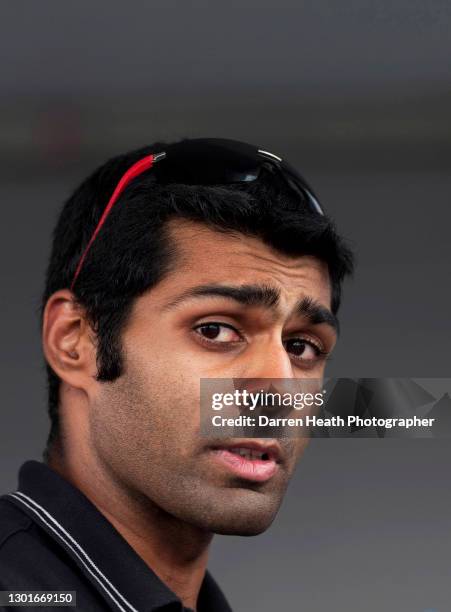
(298, 184)
(208, 161)
(216, 161)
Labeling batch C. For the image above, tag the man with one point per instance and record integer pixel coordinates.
(201, 259)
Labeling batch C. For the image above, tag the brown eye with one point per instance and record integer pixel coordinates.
(210, 331)
(303, 349)
(218, 332)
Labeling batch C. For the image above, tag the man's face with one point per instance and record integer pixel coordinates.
(144, 426)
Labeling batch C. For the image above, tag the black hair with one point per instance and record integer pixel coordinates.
(132, 251)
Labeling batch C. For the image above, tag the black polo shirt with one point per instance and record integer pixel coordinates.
(52, 538)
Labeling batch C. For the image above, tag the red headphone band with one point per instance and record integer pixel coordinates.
(138, 168)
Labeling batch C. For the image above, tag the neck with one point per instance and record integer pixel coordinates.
(176, 551)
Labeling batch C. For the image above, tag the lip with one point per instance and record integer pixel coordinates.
(270, 447)
(257, 470)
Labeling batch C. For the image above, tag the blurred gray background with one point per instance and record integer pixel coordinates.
(357, 94)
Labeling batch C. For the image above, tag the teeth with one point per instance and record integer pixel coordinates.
(248, 453)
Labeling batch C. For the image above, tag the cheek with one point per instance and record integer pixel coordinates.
(169, 378)
(150, 414)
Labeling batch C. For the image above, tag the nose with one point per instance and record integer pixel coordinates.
(267, 360)
(266, 367)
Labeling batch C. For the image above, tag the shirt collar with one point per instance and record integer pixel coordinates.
(101, 553)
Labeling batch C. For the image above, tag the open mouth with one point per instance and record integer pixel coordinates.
(249, 453)
(251, 461)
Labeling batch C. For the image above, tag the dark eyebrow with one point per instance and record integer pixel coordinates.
(260, 295)
(316, 313)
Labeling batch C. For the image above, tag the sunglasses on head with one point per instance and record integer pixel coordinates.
(207, 161)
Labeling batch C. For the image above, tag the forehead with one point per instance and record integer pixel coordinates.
(206, 256)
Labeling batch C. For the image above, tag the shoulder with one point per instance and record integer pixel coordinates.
(31, 560)
(26, 555)
(15, 527)
(12, 522)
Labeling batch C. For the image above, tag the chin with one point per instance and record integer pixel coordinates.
(237, 510)
(248, 519)
(238, 528)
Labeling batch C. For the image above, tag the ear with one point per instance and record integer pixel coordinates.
(68, 341)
